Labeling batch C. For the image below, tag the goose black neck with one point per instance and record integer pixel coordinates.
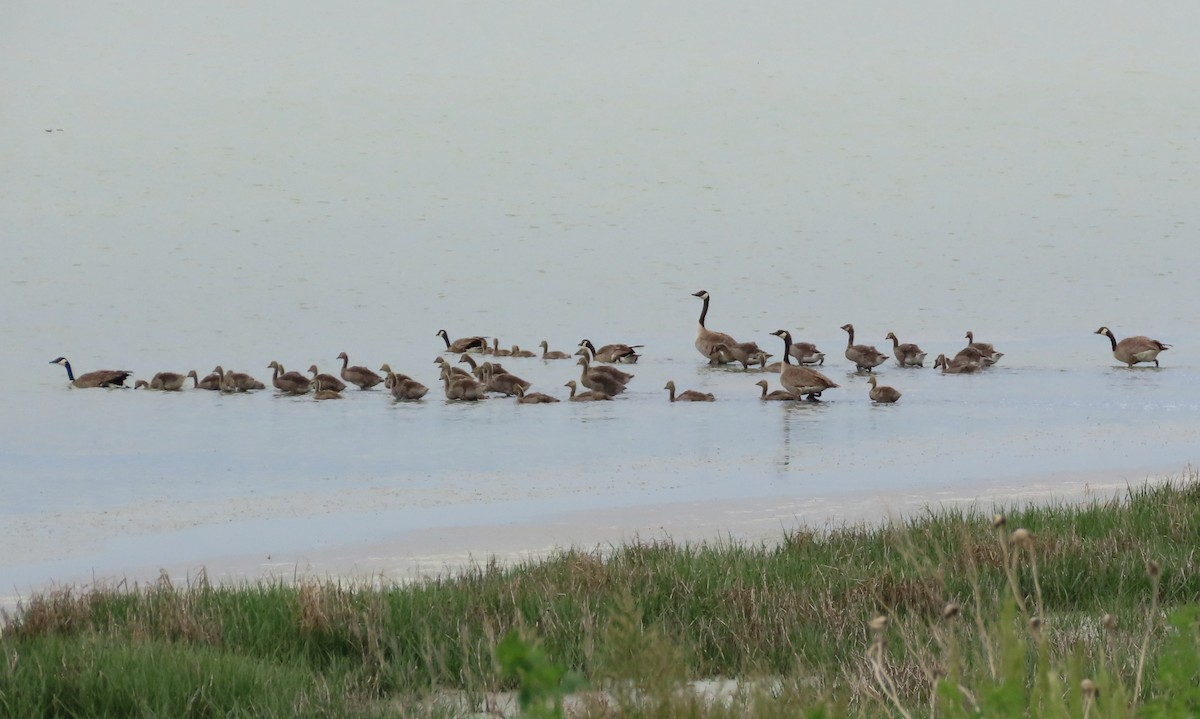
(445, 338)
(704, 310)
(850, 337)
(1111, 339)
(787, 350)
(71, 375)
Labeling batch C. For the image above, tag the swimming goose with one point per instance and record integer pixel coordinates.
(454, 371)
(618, 375)
(389, 377)
(1133, 350)
(501, 382)
(586, 395)
(776, 396)
(806, 353)
(548, 354)
(356, 375)
(496, 351)
(166, 381)
(462, 388)
(689, 395)
(533, 397)
(463, 344)
(211, 381)
(237, 381)
(798, 380)
(707, 340)
(477, 369)
(289, 382)
(328, 381)
(594, 379)
(96, 378)
(990, 355)
(960, 365)
(403, 387)
(907, 354)
(613, 353)
(974, 354)
(518, 352)
(320, 391)
(882, 394)
(864, 357)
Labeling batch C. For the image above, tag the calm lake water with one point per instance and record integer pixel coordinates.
(182, 190)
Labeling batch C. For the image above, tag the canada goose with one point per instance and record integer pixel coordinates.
(776, 396)
(165, 381)
(974, 354)
(990, 355)
(882, 394)
(907, 354)
(806, 353)
(454, 371)
(616, 353)
(328, 381)
(518, 352)
(688, 395)
(864, 357)
(463, 344)
(289, 382)
(389, 377)
(548, 354)
(356, 375)
(1133, 350)
(533, 397)
(210, 382)
(237, 381)
(960, 365)
(496, 351)
(320, 391)
(586, 395)
(618, 375)
(707, 340)
(462, 388)
(402, 386)
(798, 380)
(502, 382)
(96, 378)
(594, 379)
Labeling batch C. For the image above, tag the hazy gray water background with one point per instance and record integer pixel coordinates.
(234, 184)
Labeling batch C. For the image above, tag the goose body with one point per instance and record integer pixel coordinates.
(907, 354)
(237, 381)
(496, 351)
(882, 393)
(598, 381)
(356, 375)
(798, 380)
(776, 396)
(806, 353)
(454, 371)
(403, 387)
(689, 395)
(549, 354)
(327, 381)
(96, 378)
(864, 357)
(1133, 350)
(502, 382)
(320, 391)
(586, 395)
(960, 365)
(289, 382)
(463, 344)
(713, 346)
(210, 382)
(533, 397)
(166, 381)
(618, 375)
(989, 355)
(518, 352)
(462, 388)
(613, 353)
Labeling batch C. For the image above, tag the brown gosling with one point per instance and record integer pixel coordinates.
(320, 391)
(403, 387)
(389, 377)
(96, 378)
(357, 375)
(518, 352)
(864, 357)
(688, 395)
(549, 354)
(463, 344)
(462, 389)
(960, 365)
(776, 396)
(533, 397)
(882, 393)
(618, 375)
(165, 381)
(288, 382)
(501, 382)
(907, 354)
(990, 355)
(454, 371)
(328, 381)
(1133, 350)
(599, 381)
(496, 351)
(586, 395)
(210, 382)
(238, 381)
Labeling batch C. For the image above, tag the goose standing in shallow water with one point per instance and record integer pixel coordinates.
(776, 396)
(289, 382)
(864, 357)
(689, 395)
(1133, 350)
(907, 354)
(463, 344)
(356, 375)
(882, 394)
(612, 353)
(96, 378)
(713, 346)
(797, 380)
(586, 395)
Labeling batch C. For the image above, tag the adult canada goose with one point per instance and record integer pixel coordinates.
(320, 391)
(462, 388)
(356, 375)
(707, 340)
(594, 379)
(586, 395)
(990, 355)
(613, 353)
(882, 394)
(210, 382)
(463, 344)
(960, 365)
(618, 375)
(502, 382)
(289, 382)
(496, 351)
(864, 357)
(1133, 350)
(328, 381)
(518, 352)
(688, 395)
(776, 396)
(96, 378)
(533, 397)
(798, 380)
(549, 354)
(907, 354)
(454, 371)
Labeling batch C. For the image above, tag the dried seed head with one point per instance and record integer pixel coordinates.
(1152, 569)
(879, 623)
(1021, 536)
(1110, 622)
(1035, 624)
(998, 521)
(951, 610)
(1089, 688)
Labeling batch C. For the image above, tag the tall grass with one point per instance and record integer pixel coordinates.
(945, 614)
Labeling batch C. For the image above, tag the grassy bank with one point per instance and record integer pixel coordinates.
(1058, 610)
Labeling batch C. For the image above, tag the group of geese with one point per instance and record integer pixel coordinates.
(796, 371)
